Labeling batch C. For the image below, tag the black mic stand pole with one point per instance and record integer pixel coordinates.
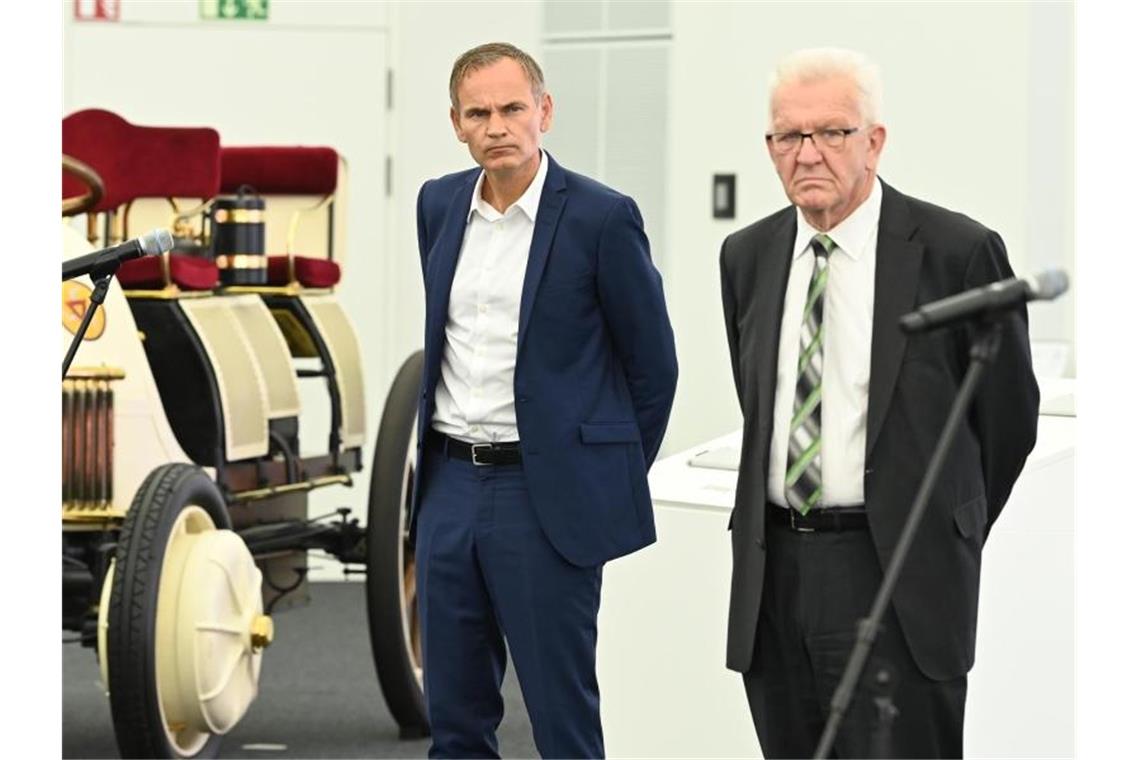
(883, 687)
(97, 296)
(982, 352)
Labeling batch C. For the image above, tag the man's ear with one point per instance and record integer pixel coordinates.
(877, 137)
(455, 125)
(546, 105)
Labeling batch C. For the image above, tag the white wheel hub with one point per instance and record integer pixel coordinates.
(101, 630)
(210, 631)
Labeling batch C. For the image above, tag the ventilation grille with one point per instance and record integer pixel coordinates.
(88, 441)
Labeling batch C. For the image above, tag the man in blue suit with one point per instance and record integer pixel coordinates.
(549, 374)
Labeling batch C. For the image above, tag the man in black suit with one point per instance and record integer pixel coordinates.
(841, 415)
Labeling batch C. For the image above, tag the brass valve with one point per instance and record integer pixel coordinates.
(261, 632)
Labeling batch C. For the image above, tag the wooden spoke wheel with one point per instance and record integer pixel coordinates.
(393, 620)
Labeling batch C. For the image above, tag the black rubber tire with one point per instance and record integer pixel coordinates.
(389, 501)
(131, 643)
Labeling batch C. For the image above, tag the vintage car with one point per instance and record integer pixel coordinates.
(185, 487)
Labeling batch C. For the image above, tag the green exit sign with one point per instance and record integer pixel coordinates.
(234, 10)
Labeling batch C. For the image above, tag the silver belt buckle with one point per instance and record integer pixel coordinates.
(792, 514)
(475, 448)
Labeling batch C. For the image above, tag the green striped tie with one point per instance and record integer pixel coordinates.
(803, 484)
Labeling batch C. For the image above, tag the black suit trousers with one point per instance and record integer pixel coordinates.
(816, 587)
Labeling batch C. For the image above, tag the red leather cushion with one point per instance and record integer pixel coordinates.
(311, 273)
(141, 162)
(280, 170)
(187, 272)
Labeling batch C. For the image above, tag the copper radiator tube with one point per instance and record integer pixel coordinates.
(88, 441)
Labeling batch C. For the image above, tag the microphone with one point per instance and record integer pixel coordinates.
(986, 300)
(105, 262)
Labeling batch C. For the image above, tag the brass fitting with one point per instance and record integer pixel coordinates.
(261, 632)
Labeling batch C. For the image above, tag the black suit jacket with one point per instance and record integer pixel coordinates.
(924, 253)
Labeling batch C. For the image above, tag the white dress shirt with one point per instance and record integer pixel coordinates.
(475, 396)
(848, 311)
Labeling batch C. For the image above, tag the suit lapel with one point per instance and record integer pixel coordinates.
(774, 262)
(545, 223)
(897, 266)
(444, 256)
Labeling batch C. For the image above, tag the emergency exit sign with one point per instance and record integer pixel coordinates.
(234, 10)
(96, 10)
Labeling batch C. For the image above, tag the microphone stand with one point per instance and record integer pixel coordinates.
(883, 688)
(982, 351)
(102, 283)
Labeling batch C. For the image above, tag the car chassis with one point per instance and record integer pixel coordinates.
(175, 590)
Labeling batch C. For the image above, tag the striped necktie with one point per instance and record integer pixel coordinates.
(803, 484)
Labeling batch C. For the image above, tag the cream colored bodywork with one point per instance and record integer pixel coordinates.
(241, 384)
(141, 429)
(251, 362)
(337, 332)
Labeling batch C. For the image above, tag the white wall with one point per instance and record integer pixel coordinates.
(978, 108)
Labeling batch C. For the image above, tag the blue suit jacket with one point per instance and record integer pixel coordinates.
(596, 367)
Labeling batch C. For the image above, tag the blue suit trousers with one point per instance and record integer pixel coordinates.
(485, 571)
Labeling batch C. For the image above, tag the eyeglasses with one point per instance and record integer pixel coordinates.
(786, 142)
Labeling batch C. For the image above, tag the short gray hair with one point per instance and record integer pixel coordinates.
(490, 53)
(816, 64)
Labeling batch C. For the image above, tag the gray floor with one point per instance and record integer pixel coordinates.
(318, 695)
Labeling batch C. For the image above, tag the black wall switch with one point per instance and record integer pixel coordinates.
(724, 196)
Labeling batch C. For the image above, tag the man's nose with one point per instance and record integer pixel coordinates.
(496, 125)
(808, 153)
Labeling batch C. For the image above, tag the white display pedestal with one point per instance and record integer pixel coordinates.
(662, 627)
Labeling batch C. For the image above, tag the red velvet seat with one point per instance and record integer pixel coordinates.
(309, 272)
(141, 162)
(187, 272)
(279, 170)
(286, 170)
(147, 162)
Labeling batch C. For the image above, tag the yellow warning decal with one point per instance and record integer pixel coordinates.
(76, 299)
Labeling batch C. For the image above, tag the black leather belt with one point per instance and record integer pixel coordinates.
(478, 453)
(818, 519)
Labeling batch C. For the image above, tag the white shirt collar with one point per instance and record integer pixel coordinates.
(527, 202)
(850, 235)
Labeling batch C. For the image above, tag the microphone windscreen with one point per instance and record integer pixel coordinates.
(1050, 284)
(157, 242)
